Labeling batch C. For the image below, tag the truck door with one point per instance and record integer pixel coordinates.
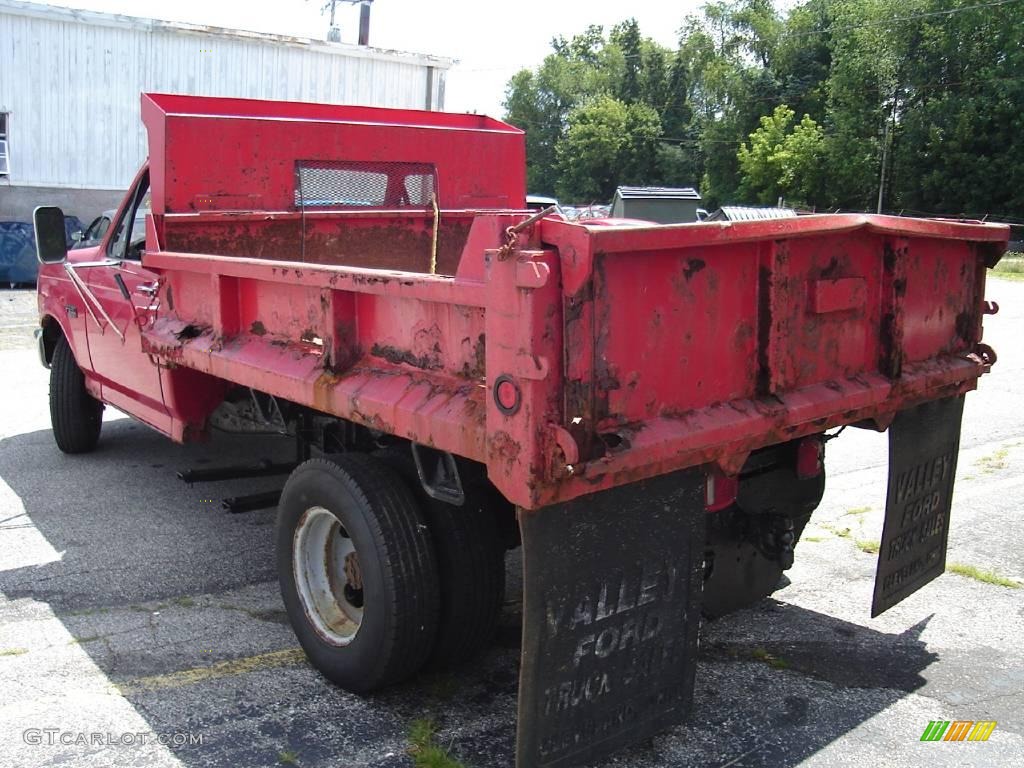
(129, 377)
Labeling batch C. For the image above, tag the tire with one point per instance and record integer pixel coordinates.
(76, 416)
(470, 563)
(379, 627)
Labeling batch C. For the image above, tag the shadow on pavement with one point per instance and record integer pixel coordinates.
(158, 573)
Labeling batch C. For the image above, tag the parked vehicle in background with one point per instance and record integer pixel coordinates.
(643, 408)
(93, 234)
(18, 262)
(543, 202)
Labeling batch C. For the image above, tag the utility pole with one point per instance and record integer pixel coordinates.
(885, 158)
(334, 33)
(888, 131)
(364, 22)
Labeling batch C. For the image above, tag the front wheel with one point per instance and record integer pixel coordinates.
(357, 571)
(76, 415)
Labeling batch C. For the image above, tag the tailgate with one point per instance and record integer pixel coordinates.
(695, 343)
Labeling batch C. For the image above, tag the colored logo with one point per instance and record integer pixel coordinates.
(958, 730)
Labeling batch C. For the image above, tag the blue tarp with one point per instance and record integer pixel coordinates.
(18, 249)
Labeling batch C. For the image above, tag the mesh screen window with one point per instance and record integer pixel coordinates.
(344, 184)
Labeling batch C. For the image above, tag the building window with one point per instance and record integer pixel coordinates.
(5, 167)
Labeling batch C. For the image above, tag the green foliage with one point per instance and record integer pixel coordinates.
(934, 86)
(608, 142)
(783, 160)
(423, 747)
(984, 576)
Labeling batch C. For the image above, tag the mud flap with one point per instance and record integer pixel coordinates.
(611, 609)
(923, 447)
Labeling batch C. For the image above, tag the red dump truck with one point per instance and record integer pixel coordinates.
(643, 408)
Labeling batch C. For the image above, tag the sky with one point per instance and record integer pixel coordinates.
(490, 40)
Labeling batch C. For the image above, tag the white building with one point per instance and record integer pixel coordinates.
(70, 80)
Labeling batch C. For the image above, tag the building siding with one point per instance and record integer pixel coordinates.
(70, 82)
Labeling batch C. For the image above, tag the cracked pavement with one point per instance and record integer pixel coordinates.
(131, 604)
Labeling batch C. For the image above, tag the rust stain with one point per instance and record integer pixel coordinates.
(400, 245)
(398, 356)
(475, 366)
(693, 266)
(503, 448)
(322, 390)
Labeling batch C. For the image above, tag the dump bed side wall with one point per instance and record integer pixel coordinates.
(679, 330)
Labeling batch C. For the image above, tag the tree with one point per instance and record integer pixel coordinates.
(608, 143)
(936, 83)
(783, 160)
(627, 37)
(582, 71)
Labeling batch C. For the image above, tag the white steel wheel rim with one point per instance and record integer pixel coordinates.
(320, 549)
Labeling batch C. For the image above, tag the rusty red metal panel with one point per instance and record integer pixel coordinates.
(568, 358)
(257, 144)
(836, 294)
(524, 355)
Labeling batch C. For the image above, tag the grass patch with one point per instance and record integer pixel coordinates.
(424, 749)
(812, 538)
(148, 608)
(994, 462)
(987, 577)
(83, 640)
(772, 661)
(13, 651)
(184, 602)
(88, 612)
(868, 545)
(1010, 267)
(287, 757)
(843, 533)
(857, 511)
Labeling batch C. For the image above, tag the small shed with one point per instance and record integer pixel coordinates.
(664, 205)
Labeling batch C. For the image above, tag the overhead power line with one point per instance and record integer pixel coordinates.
(896, 19)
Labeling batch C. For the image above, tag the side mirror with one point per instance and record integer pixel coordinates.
(51, 238)
(77, 235)
(702, 215)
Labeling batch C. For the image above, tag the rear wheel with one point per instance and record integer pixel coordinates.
(470, 561)
(357, 571)
(76, 415)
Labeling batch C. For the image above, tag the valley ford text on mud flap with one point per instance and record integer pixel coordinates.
(923, 447)
(610, 618)
(645, 408)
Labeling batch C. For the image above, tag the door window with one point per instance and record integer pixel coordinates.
(96, 230)
(130, 236)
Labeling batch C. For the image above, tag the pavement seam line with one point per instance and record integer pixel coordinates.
(231, 668)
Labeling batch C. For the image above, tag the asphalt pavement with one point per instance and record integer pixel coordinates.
(141, 625)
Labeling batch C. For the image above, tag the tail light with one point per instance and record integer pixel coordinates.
(720, 491)
(810, 455)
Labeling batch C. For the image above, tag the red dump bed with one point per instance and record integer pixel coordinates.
(350, 259)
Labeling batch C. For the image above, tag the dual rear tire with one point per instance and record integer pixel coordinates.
(378, 580)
